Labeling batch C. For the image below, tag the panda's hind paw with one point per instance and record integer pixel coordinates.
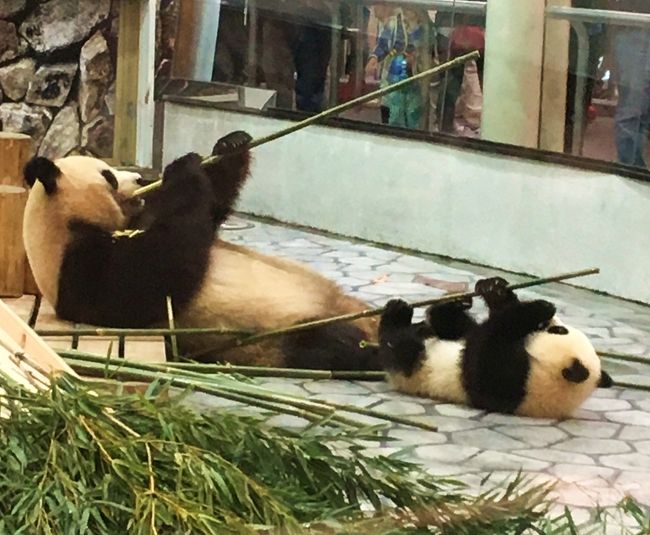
(397, 313)
(541, 312)
(231, 143)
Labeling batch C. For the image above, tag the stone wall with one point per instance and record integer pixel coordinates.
(57, 73)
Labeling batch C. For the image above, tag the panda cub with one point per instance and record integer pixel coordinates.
(521, 360)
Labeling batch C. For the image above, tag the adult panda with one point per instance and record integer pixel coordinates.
(520, 360)
(95, 275)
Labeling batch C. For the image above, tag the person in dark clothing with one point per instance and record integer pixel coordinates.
(632, 52)
(296, 49)
(467, 34)
(597, 41)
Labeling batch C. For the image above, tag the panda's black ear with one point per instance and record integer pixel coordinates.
(605, 380)
(44, 170)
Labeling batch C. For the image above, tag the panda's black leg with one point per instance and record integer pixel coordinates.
(495, 293)
(229, 172)
(451, 321)
(519, 320)
(401, 344)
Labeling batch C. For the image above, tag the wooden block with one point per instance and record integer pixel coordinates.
(12, 250)
(15, 150)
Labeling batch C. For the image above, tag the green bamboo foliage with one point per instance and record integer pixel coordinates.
(81, 461)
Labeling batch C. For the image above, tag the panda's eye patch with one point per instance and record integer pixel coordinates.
(576, 373)
(557, 329)
(110, 178)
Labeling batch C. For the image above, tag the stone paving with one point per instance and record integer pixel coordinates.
(596, 458)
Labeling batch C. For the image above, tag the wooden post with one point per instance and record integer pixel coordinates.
(15, 150)
(12, 251)
(126, 84)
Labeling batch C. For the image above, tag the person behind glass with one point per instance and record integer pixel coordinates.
(396, 55)
(597, 36)
(459, 34)
(632, 52)
(296, 50)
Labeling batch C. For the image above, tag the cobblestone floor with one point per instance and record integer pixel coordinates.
(596, 458)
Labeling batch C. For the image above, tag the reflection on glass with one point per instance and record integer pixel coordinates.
(313, 54)
(631, 50)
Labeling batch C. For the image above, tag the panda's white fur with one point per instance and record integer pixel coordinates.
(439, 375)
(547, 373)
(82, 190)
(548, 394)
(92, 276)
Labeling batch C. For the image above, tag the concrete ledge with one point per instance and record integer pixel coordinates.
(501, 211)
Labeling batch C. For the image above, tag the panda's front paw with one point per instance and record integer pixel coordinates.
(495, 292)
(397, 313)
(494, 287)
(231, 143)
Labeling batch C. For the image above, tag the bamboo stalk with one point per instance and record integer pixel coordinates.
(138, 332)
(633, 386)
(623, 357)
(172, 326)
(195, 380)
(376, 311)
(254, 371)
(460, 60)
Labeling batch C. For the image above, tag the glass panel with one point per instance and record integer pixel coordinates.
(311, 55)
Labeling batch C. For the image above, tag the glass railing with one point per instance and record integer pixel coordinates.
(571, 79)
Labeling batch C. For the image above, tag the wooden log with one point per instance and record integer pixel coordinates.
(15, 150)
(12, 250)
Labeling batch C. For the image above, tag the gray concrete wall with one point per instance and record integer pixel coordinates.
(509, 213)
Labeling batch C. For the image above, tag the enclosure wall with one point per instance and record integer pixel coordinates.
(505, 212)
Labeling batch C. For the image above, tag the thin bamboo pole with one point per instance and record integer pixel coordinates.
(376, 311)
(254, 371)
(624, 357)
(105, 332)
(632, 386)
(460, 60)
(190, 379)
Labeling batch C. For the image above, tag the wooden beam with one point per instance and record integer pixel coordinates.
(126, 83)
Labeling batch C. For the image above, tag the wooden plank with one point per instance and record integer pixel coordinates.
(17, 336)
(126, 83)
(12, 250)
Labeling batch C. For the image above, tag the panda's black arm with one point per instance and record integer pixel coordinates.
(401, 343)
(124, 281)
(515, 322)
(228, 173)
(451, 321)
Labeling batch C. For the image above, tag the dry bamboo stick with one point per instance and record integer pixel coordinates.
(142, 371)
(460, 60)
(105, 332)
(253, 371)
(623, 357)
(376, 311)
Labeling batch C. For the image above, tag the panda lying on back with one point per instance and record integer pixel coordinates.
(91, 275)
(521, 360)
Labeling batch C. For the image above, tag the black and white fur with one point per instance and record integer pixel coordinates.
(520, 360)
(92, 276)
